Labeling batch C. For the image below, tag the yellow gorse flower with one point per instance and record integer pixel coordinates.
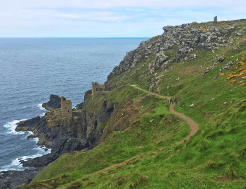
(241, 72)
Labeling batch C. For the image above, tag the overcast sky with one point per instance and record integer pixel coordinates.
(108, 18)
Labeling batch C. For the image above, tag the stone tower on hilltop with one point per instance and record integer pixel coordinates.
(66, 108)
(215, 20)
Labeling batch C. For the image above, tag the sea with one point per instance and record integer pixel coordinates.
(31, 69)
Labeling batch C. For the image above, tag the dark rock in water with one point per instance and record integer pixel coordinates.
(39, 127)
(79, 106)
(60, 139)
(54, 103)
(61, 146)
(32, 136)
(80, 132)
(12, 179)
(29, 122)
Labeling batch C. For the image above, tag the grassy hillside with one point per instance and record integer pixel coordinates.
(137, 149)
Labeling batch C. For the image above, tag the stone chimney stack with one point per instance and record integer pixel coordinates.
(215, 19)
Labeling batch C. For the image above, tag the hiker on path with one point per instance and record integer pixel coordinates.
(171, 101)
(176, 101)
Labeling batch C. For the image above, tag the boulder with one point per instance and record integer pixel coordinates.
(206, 71)
(160, 59)
(192, 57)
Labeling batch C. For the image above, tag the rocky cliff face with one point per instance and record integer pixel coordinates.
(81, 132)
(186, 38)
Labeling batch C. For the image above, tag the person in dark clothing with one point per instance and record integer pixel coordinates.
(171, 101)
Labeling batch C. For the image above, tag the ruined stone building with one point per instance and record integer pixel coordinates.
(66, 108)
(61, 115)
(97, 89)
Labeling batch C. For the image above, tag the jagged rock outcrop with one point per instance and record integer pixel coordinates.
(226, 66)
(131, 59)
(79, 106)
(54, 103)
(185, 38)
(217, 59)
(155, 81)
(160, 59)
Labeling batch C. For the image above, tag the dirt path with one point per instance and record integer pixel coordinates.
(193, 125)
(117, 165)
(193, 129)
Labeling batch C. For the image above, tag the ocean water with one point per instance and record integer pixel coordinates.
(32, 69)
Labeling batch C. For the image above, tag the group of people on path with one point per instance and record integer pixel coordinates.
(171, 101)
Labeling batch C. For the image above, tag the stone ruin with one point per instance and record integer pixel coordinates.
(58, 116)
(97, 89)
(66, 108)
(215, 19)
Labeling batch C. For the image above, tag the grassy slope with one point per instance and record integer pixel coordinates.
(214, 158)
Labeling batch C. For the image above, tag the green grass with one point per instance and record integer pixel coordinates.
(215, 157)
(142, 136)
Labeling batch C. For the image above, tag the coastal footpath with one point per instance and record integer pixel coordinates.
(123, 130)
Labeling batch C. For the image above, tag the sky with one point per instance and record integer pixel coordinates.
(108, 18)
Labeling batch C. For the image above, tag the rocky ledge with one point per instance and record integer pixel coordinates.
(12, 179)
(54, 103)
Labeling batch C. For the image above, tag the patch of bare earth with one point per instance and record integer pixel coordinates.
(225, 178)
(121, 120)
(190, 70)
(118, 165)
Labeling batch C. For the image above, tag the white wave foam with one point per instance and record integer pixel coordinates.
(12, 125)
(30, 132)
(41, 108)
(16, 163)
(42, 150)
(41, 115)
(36, 140)
(39, 154)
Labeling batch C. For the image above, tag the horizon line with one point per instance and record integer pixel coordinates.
(75, 37)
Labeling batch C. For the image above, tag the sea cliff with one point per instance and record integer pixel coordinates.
(175, 63)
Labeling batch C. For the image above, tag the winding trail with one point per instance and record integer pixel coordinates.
(193, 129)
(193, 125)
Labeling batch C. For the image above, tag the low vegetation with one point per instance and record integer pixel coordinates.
(137, 149)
